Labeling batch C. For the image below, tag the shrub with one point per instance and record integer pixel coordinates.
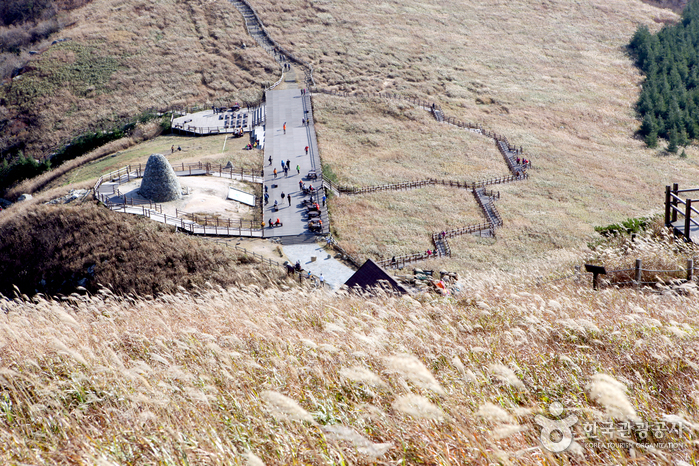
(628, 226)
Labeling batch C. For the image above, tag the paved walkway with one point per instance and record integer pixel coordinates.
(334, 272)
(288, 107)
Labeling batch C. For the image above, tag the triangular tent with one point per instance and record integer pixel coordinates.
(371, 276)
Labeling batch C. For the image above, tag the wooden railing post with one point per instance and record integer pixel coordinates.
(675, 188)
(687, 220)
(667, 205)
(690, 269)
(637, 273)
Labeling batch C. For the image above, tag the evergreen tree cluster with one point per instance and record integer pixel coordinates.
(669, 101)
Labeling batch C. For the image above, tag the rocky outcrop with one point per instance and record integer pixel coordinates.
(160, 184)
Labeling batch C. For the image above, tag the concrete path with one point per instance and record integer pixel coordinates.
(334, 272)
(288, 107)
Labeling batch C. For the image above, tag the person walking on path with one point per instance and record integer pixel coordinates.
(289, 198)
(324, 200)
(270, 160)
(306, 150)
(285, 127)
(172, 149)
(286, 170)
(266, 198)
(275, 172)
(283, 195)
(298, 169)
(288, 164)
(282, 165)
(322, 281)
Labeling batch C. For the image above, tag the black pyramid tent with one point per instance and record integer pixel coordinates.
(371, 276)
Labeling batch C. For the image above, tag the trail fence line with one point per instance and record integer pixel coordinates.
(354, 260)
(397, 262)
(257, 30)
(405, 185)
(636, 276)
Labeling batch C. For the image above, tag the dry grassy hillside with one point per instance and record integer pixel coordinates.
(125, 56)
(553, 76)
(56, 249)
(269, 377)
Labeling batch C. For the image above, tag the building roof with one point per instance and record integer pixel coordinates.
(371, 276)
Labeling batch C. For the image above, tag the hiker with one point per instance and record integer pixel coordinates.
(298, 266)
(265, 189)
(283, 195)
(282, 165)
(306, 150)
(276, 207)
(278, 223)
(266, 198)
(285, 127)
(271, 225)
(270, 160)
(289, 198)
(179, 149)
(275, 172)
(286, 170)
(172, 149)
(309, 275)
(288, 164)
(429, 253)
(324, 200)
(301, 184)
(393, 260)
(298, 170)
(322, 281)
(303, 122)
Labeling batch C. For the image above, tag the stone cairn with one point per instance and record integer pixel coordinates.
(160, 184)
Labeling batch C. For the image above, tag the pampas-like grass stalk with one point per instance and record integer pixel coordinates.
(506, 375)
(611, 394)
(362, 375)
(419, 407)
(283, 407)
(410, 367)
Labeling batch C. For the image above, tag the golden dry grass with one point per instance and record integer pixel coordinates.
(213, 376)
(369, 142)
(400, 222)
(55, 249)
(553, 77)
(129, 56)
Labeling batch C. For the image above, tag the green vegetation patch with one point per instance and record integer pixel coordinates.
(82, 68)
(669, 101)
(628, 226)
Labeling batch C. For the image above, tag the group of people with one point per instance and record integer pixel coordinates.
(524, 162)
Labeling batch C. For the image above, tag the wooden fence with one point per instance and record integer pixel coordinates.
(672, 209)
(424, 183)
(278, 49)
(400, 261)
(355, 261)
(218, 222)
(635, 276)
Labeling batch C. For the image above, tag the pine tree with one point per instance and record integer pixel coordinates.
(672, 141)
